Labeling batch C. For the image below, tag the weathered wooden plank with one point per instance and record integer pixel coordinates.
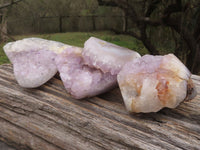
(4, 146)
(48, 118)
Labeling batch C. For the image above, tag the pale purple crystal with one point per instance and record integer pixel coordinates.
(151, 83)
(79, 79)
(33, 60)
(107, 56)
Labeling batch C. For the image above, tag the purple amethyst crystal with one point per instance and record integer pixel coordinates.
(79, 79)
(33, 60)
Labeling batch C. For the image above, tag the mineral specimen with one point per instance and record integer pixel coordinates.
(79, 79)
(33, 60)
(151, 83)
(106, 56)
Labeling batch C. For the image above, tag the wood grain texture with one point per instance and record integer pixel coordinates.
(47, 118)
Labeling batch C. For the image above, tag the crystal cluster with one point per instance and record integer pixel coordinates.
(79, 79)
(151, 83)
(107, 56)
(33, 60)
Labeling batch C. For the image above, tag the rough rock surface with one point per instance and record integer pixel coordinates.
(151, 83)
(33, 60)
(106, 56)
(79, 79)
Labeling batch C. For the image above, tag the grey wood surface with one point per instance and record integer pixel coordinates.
(4, 146)
(47, 118)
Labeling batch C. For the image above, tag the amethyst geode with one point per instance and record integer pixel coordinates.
(79, 79)
(106, 56)
(33, 60)
(151, 83)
